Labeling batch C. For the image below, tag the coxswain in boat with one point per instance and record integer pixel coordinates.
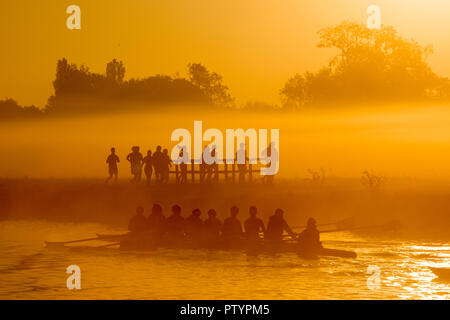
(309, 239)
(276, 226)
(195, 226)
(212, 226)
(253, 225)
(175, 224)
(232, 229)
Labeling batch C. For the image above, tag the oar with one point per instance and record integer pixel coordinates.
(62, 243)
(357, 228)
(100, 237)
(109, 245)
(109, 237)
(326, 224)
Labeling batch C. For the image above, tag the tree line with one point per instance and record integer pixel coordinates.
(371, 66)
(77, 90)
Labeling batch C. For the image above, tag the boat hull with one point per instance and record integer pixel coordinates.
(250, 247)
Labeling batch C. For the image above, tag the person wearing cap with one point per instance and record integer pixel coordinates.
(253, 225)
(309, 239)
(276, 226)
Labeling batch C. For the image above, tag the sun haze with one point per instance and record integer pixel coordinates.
(255, 44)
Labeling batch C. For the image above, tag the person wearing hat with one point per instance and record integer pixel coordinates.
(276, 226)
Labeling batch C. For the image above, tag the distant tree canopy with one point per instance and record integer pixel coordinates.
(79, 91)
(11, 110)
(211, 84)
(76, 88)
(371, 65)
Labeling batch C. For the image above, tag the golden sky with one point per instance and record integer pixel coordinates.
(254, 44)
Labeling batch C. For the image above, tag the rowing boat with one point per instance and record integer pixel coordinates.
(254, 247)
(130, 242)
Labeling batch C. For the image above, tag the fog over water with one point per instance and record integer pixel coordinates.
(392, 141)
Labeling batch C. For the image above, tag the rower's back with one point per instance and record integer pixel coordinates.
(156, 222)
(138, 223)
(212, 225)
(253, 225)
(232, 227)
(175, 224)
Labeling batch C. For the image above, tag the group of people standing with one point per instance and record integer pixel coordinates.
(176, 228)
(158, 162)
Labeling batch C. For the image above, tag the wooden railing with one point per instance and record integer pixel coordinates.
(211, 173)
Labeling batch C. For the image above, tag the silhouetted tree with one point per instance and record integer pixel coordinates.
(11, 110)
(77, 90)
(115, 71)
(371, 65)
(211, 84)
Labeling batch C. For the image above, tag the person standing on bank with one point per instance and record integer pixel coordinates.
(148, 168)
(135, 158)
(112, 161)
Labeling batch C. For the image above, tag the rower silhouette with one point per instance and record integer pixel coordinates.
(156, 222)
(212, 226)
(194, 226)
(253, 225)
(276, 226)
(138, 223)
(112, 161)
(232, 228)
(175, 224)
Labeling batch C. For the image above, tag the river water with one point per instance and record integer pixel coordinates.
(29, 270)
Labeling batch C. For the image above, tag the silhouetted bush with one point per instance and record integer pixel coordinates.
(11, 110)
